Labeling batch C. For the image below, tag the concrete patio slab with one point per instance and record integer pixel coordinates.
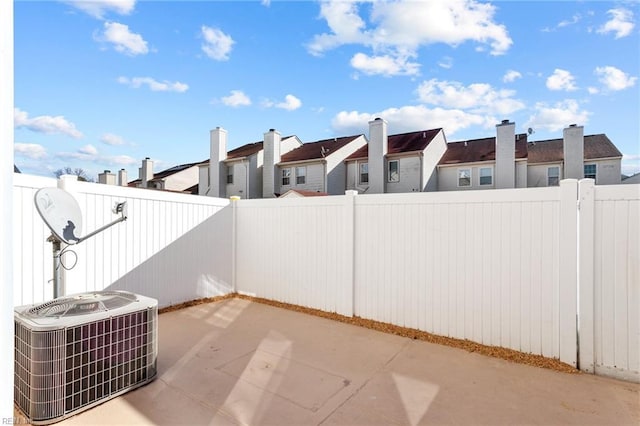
(240, 362)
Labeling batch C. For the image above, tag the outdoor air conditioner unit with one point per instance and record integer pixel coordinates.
(78, 351)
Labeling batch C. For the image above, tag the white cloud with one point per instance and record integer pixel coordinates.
(400, 28)
(446, 62)
(123, 40)
(217, 45)
(384, 65)
(45, 124)
(561, 80)
(511, 76)
(409, 118)
(86, 153)
(155, 86)
(237, 98)
(556, 117)
(98, 8)
(477, 97)
(120, 160)
(111, 139)
(30, 150)
(290, 103)
(614, 79)
(574, 20)
(592, 90)
(621, 23)
(88, 150)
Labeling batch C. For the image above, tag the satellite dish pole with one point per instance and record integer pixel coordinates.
(61, 213)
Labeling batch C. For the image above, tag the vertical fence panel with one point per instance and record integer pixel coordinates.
(32, 255)
(136, 255)
(476, 280)
(296, 251)
(616, 281)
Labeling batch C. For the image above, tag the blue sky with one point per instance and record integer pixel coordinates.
(103, 84)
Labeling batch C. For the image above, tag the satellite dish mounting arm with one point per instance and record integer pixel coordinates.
(119, 208)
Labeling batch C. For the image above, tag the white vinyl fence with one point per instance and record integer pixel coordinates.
(173, 247)
(548, 271)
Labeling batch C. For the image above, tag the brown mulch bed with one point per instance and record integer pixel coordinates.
(467, 345)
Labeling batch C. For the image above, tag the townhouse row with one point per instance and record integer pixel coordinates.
(408, 162)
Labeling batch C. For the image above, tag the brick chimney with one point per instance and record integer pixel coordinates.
(378, 146)
(107, 178)
(217, 168)
(122, 177)
(271, 147)
(505, 155)
(573, 151)
(146, 172)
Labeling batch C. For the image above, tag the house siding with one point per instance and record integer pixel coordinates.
(182, 180)
(448, 177)
(608, 172)
(239, 186)
(336, 167)
(537, 174)
(432, 155)
(353, 176)
(521, 174)
(410, 173)
(314, 178)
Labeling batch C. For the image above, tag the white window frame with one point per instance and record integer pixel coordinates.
(390, 178)
(301, 178)
(549, 176)
(490, 176)
(459, 176)
(286, 176)
(230, 175)
(595, 174)
(361, 173)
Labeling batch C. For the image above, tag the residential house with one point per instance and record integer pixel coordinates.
(275, 165)
(575, 156)
(240, 172)
(180, 178)
(317, 166)
(397, 163)
(488, 163)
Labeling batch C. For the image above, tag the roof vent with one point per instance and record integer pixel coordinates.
(424, 135)
(107, 171)
(377, 118)
(146, 158)
(272, 130)
(505, 121)
(572, 125)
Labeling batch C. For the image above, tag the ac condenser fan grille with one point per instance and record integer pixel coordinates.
(82, 304)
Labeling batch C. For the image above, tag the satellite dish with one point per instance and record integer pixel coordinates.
(530, 131)
(61, 212)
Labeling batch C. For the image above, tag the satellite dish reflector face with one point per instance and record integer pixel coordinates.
(61, 212)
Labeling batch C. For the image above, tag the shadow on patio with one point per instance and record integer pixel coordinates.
(241, 362)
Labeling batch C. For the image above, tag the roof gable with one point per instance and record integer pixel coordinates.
(317, 150)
